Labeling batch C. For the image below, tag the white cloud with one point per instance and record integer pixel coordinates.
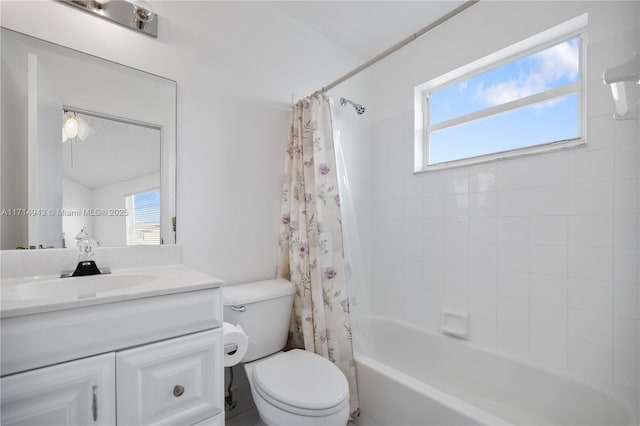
(510, 90)
(548, 66)
(559, 61)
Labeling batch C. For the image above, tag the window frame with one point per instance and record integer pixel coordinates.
(576, 27)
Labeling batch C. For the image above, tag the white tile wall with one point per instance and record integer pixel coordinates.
(542, 252)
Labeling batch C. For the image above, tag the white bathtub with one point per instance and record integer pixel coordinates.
(407, 376)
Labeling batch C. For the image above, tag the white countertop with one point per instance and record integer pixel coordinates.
(160, 280)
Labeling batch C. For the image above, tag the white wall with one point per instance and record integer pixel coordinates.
(236, 64)
(542, 251)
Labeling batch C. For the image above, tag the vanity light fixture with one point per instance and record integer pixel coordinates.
(100, 4)
(137, 15)
(624, 81)
(143, 13)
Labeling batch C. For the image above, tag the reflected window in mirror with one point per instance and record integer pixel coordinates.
(143, 218)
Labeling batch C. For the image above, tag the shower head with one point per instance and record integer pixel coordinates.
(359, 108)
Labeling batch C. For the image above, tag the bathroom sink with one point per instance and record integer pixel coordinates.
(74, 287)
(48, 320)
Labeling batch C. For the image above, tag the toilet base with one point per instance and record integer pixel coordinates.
(273, 416)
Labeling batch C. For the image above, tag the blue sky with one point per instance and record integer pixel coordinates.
(148, 202)
(545, 122)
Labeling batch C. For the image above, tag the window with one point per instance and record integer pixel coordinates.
(143, 219)
(524, 99)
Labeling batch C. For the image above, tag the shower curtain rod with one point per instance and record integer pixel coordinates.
(398, 46)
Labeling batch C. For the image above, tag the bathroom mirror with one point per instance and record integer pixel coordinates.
(114, 174)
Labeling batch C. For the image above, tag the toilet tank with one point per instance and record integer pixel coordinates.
(263, 310)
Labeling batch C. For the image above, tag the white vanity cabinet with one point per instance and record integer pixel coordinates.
(173, 382)
(155, 360)
(74, 393)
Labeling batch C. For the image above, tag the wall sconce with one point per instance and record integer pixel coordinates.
(624, 81)
(138, 15)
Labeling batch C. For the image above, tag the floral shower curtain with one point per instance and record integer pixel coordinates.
(311, 246)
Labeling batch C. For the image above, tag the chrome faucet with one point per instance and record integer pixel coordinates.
(86, 245)
(86, 257)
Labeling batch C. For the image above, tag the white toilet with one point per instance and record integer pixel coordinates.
(289, 388)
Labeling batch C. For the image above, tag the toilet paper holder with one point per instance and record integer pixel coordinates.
(230, 348)
(235, 343)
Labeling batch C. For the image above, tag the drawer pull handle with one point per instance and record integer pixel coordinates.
(178, 391)
(94, 404)
(238, 308)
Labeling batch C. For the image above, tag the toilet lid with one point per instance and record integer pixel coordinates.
(302, 382)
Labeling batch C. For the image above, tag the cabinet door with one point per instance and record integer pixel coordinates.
(177, 381)
(74, 393)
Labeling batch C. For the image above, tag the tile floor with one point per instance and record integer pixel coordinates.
(247, 418)
(250, 418)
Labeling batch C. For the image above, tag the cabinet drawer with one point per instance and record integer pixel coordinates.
(177, 381)
(38, 340)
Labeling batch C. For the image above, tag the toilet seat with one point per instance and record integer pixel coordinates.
(283, 380)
